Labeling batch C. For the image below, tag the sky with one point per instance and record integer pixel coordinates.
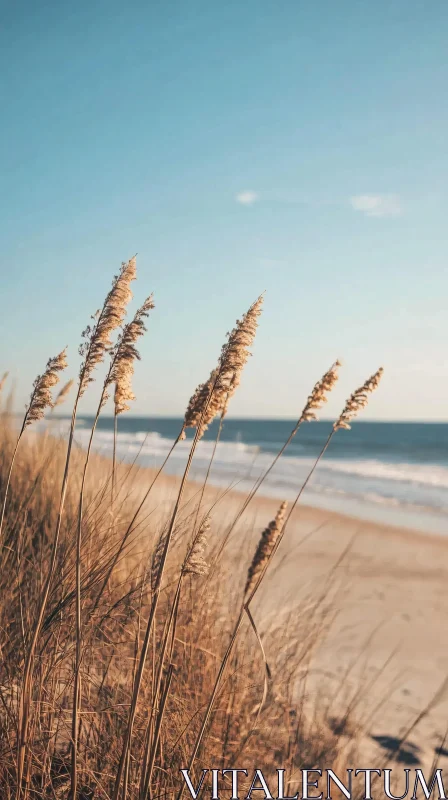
(288, 146)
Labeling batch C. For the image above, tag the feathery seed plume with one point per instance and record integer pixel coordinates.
(195, 563)
(41, 395)
(198, 402)
(97, 337)
(3, 380)
(123, 356)
(357, 401)
(62, 394)
(212, 397)
(264, 550)
(318, 396)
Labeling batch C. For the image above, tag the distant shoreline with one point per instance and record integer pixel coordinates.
(346, 506)
(382, 472)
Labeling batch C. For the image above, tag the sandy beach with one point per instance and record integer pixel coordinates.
(387, 637)
(384, 651)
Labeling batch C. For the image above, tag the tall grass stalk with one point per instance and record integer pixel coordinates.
(97, 340)
(120, 369)
(144, 650)
(132, 524)
(354, 404)
(209, 399)
(194, 565)
(209, 468)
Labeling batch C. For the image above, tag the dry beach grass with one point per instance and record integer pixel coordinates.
(130, 645)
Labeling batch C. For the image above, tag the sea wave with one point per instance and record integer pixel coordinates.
(419, 474)
(377, 482)
(401, 491)
(153, 445)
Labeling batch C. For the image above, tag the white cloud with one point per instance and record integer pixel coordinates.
(247, 198)
(377, 205)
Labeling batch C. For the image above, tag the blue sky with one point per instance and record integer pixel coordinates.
(296, 147)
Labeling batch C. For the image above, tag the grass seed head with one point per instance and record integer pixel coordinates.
(41, 397)
(264, 550)
(357, 401)
(125, 354)
(319, 394)
(97, 338)
(195, 563)
(62, 394)
(212, 397)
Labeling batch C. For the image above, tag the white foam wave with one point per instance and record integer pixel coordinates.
(406, 492)
(152, 447)
(423, 474)
(152, 444)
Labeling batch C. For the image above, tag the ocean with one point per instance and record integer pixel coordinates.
(393, 472)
